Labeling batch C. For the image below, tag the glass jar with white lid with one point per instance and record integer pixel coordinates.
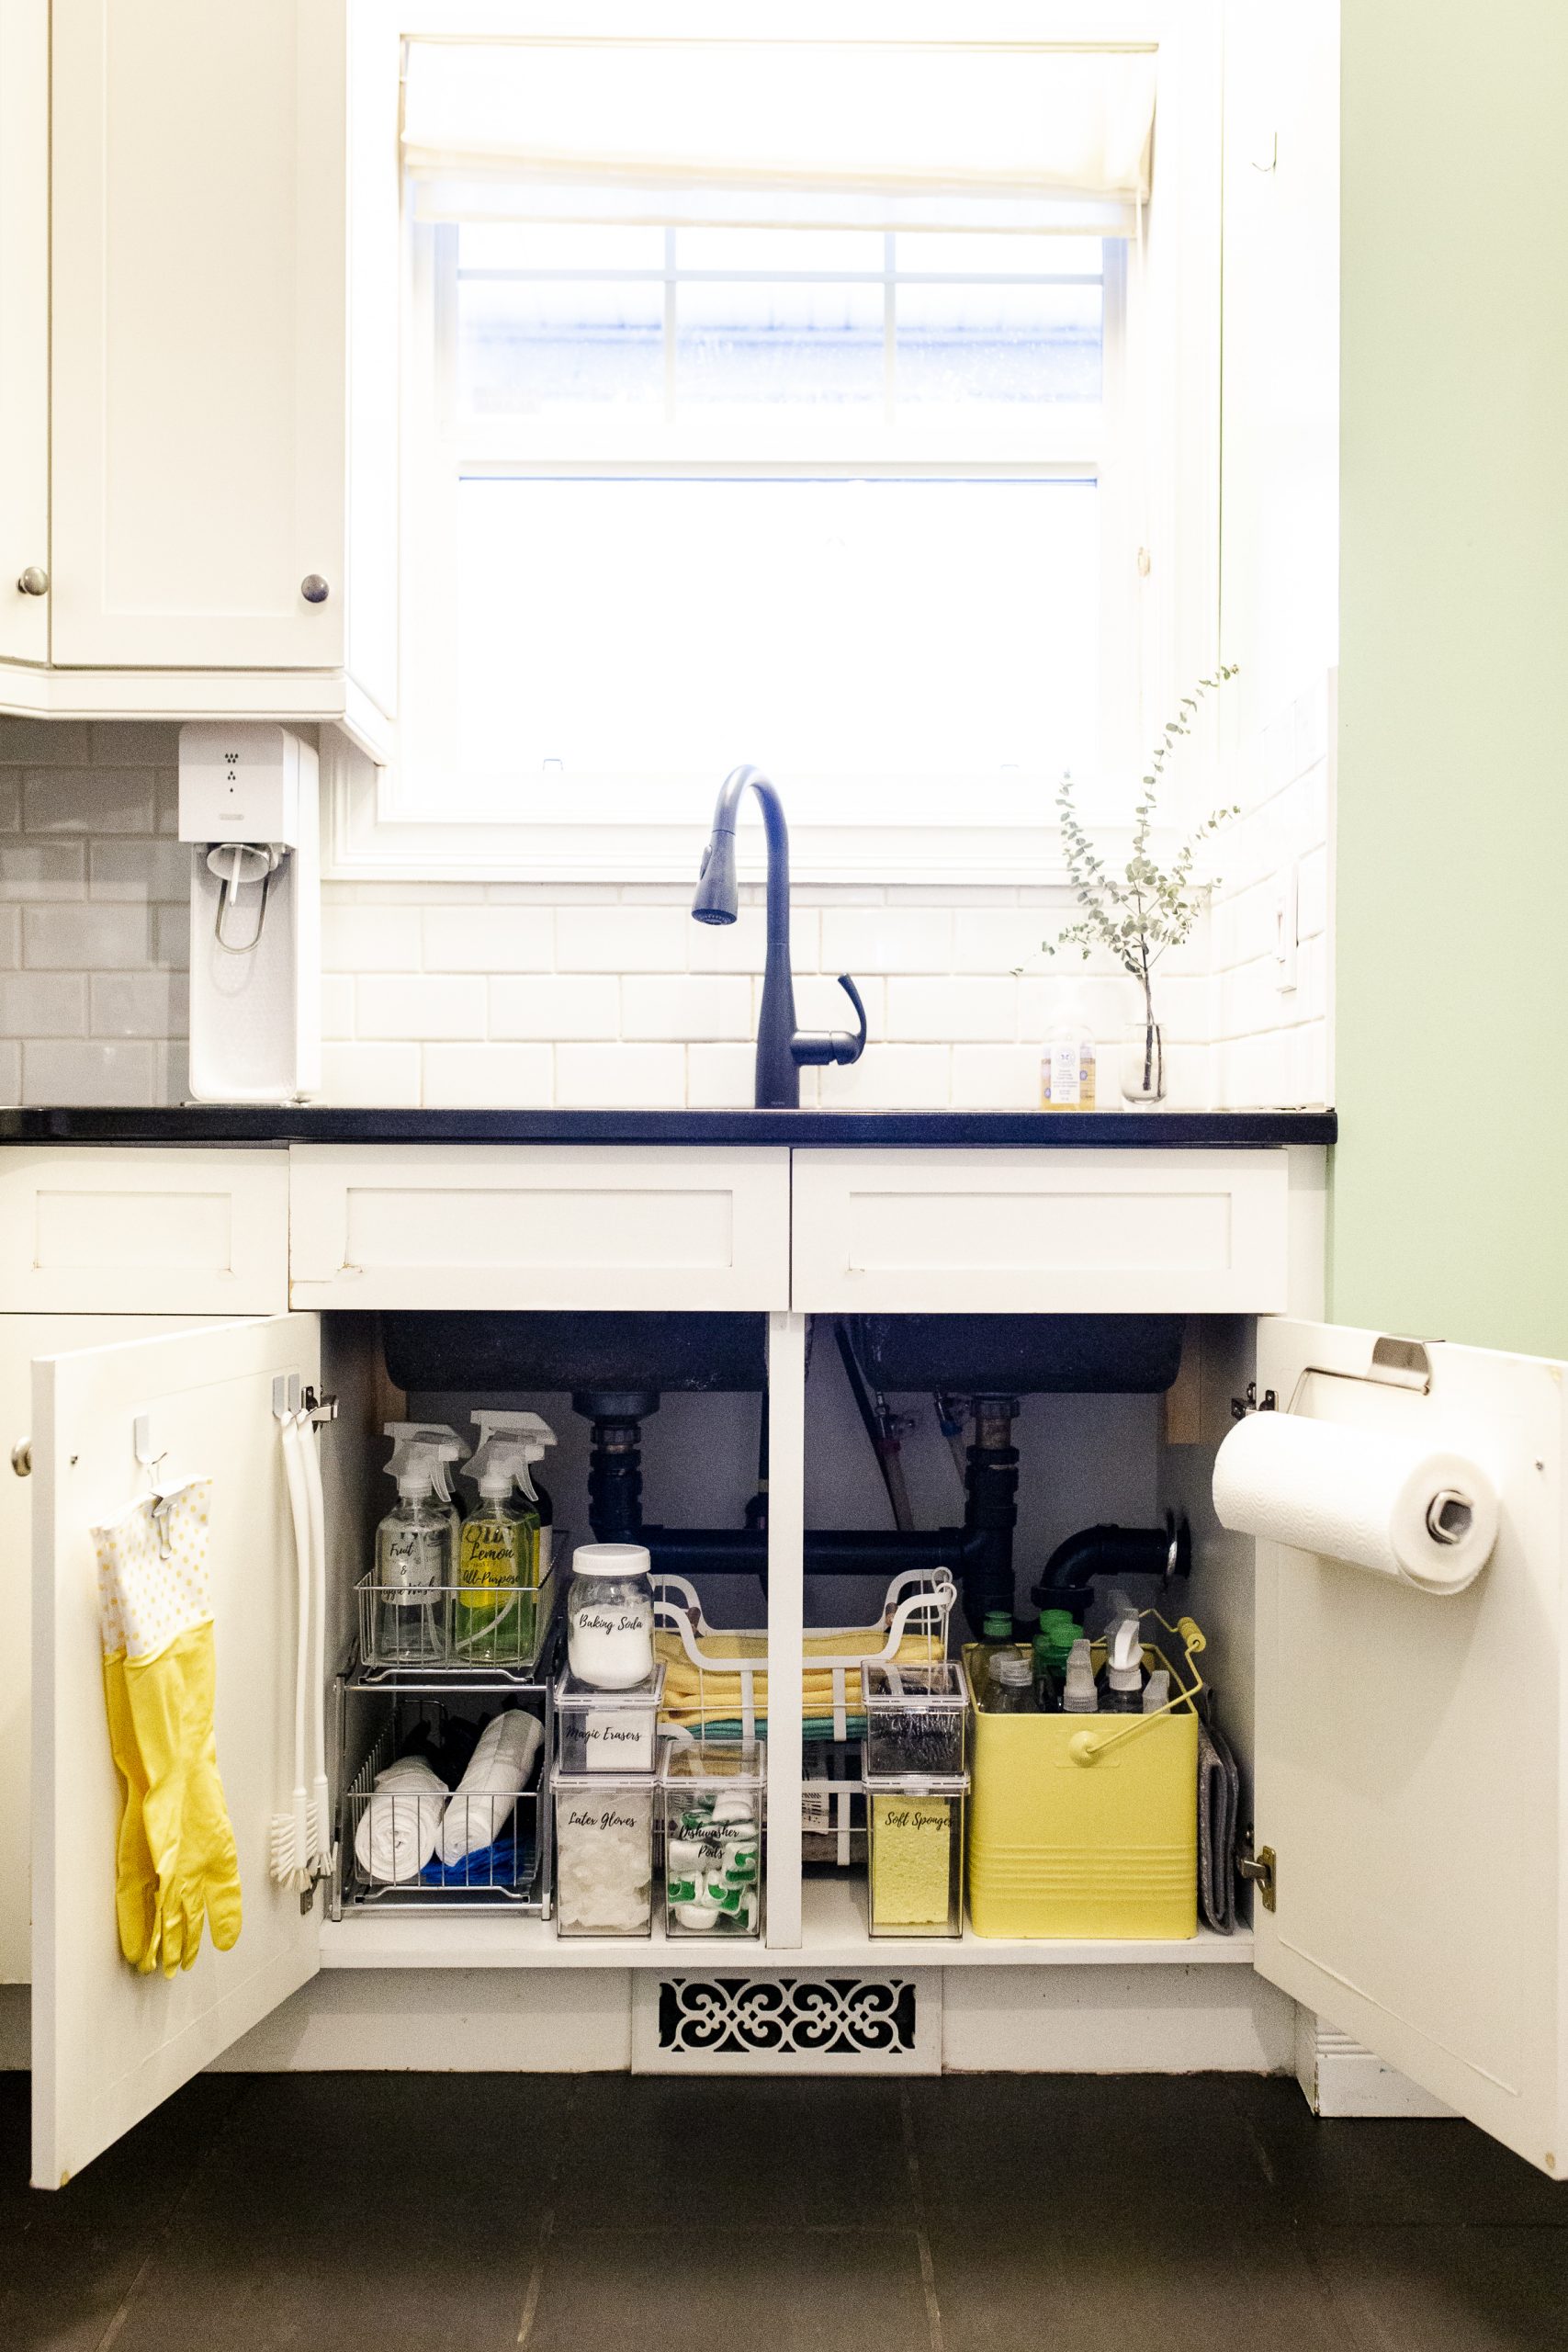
(609, 1615)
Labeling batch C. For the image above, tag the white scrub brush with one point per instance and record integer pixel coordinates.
(291, 1844)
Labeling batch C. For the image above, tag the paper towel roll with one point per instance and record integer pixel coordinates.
(1375, 1501)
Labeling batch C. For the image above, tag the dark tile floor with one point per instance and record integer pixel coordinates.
(1060, 2213)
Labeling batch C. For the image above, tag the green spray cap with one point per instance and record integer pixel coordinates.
(997, 1626)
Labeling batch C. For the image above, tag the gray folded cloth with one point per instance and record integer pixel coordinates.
(1219, 1799)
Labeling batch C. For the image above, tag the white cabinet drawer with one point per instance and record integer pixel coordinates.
(135, 1232)
(1039, 1232)
(515, 1226)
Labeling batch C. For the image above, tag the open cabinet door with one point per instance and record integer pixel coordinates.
(1410, 1751)
(108, 2044)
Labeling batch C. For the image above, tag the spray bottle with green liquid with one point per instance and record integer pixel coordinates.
(496, 1604)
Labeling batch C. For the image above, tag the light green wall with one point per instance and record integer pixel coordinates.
(1450, 1207)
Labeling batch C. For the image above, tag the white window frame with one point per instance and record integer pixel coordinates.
(1159, 495)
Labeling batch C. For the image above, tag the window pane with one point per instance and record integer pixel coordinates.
(793, 345)
(883, 628)
(769, 249)
(525, 245)
(532, 348)
(978, 255)
(997, 345)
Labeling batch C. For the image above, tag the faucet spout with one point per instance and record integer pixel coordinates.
(781, 1048)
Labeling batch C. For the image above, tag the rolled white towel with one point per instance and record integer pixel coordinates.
(400, 1822)
(499, 1771)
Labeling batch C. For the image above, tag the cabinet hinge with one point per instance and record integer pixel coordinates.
(1258, 1869)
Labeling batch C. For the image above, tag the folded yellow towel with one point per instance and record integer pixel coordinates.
(694, 1696)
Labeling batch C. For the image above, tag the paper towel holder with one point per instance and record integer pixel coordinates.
(1395, 1364)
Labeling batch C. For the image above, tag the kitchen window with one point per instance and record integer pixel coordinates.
(859, 476)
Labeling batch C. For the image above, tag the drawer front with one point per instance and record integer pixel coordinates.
(506, 1226)
(1039, 1232)
(137, 1232)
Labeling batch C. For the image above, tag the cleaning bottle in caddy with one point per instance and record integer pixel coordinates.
(501, 1556)
(439, 1433)
(413, 1555)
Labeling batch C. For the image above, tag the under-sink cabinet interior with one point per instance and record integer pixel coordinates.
(839, 1504)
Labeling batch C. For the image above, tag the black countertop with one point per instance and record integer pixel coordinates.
(951, 1130)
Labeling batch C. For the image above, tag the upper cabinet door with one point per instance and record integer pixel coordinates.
(23, 328)
(108, 2045)
(1410, 1759)
(198, 256)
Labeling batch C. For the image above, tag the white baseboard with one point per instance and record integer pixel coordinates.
(1340, 2078)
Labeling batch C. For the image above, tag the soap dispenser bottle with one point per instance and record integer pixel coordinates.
(1068, 1063)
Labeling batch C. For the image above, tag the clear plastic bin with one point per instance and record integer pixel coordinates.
(603, 1853)
(914, 1718)
(916, 1876)
(711, 1799)
(608, 1731)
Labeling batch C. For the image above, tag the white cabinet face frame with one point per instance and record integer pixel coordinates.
(198, 331)
(109, 2045)
(502, 1225)
(1410, 1764)
(23, 325)
(1039, 1232)
(143, 1232)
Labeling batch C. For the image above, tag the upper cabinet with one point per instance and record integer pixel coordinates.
(24, 329)
(199, 335)
(210, 510)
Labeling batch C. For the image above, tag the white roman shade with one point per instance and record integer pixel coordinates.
(801, 134)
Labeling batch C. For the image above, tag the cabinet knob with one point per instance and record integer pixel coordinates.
(22, 1457)
(34, 582)
(314, 588)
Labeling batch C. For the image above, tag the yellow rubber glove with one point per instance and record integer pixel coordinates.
(138, 1901)
(153, 1561)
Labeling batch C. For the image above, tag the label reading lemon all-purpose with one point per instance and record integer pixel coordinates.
(489, 1555)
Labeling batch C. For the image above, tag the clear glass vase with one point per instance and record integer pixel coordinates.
(1143, 1061)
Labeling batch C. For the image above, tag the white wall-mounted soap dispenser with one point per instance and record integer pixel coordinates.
(249, 808)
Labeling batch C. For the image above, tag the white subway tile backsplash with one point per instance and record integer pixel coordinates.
(490, 938)
(886, 939)
(650, 1077)
(370, 939)
(87, 801)
(894, 1077)
(337, 1005)
(44, 1004)
(996, 1077)
(622, 939)
(419, 1006)
(87, 938)
(588, 993)
(42, 869)
(44, 742)
(140, 1004)
(690, 1005)
(508, 1077)
(140, 870)
(135, 743)
(171, 935)
(88, 1071)
(552, 1006)
(372, 1076)
(949, 1008)
(722, 1077)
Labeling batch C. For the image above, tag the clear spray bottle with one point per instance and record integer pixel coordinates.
(413, 1560)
